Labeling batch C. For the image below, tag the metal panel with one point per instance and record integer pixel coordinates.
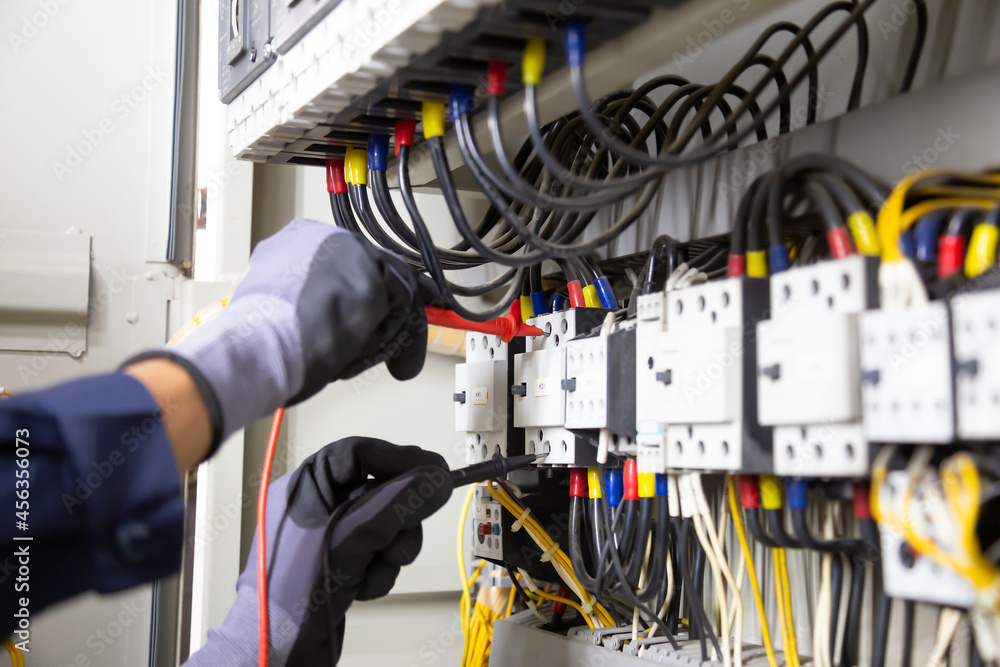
(44, 291)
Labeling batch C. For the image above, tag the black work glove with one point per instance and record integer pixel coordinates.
(373, 528)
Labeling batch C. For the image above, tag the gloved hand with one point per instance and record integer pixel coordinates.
(317, 304)
(372, 528)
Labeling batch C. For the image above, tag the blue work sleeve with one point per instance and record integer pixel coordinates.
(90, 495)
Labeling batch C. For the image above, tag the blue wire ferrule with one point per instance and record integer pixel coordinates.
(928, 228)
(605, 293)
(557, 302)
(908, 245)
(662, 484)
(576, 42)
(461, 100)
(777, 256)
(539, 303)
(614, 484)
(378, 151)
(796, 492)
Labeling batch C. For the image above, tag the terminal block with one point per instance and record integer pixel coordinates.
(482, 398)
(538, 392)
(487, 520)
(976, 319)
(808, 367)
(907, 378)
(704, 370)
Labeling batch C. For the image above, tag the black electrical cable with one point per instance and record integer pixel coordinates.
(697, 608)
(918, 47)
(430, 256)
(671, 157)
(605, 516)
(752, 520)
(517, 586)
(641, 538)
(338, 215)
(836, 589)
(852, 622)
(909, 616)
(776, 527)
(549, 250)
(881, 634)
(575, 553)
(658, 554)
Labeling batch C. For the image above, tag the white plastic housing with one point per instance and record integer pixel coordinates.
(976, 319)
(484, 381)
(907, 375)
(587, 364)
(486, 509)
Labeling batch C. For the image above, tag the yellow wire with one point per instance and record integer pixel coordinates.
(779, 596)
(510, 601)
(787, 588)
(565, 601)
(558, 555)
(461, 558)
(752, 571)
(16, 657)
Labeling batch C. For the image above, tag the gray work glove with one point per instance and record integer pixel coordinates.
(371, 528)
(317, 304)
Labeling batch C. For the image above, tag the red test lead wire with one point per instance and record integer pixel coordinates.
(507, 327)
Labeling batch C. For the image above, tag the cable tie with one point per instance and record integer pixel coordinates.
(587, 607)
(548, 554)
(520, 521)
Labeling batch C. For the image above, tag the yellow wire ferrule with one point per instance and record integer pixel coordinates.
(647, 485)
(357, 164)
(982, 249)
(757, 264)
(594, 483)
(770, 492)
(533, 62)
(590, 297)
(527, 312)
(347, 163)
(433, 119)
(862, 227)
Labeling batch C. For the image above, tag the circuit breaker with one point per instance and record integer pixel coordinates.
(907, 379)
(707, 364)
(538, 389)
(977, 363)
(482, 398)
(808, 367)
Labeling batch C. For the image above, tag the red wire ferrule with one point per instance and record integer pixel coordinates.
(576, 299)
(578, 483)
(496, 77)
(335, 181)
(631, 475)
(862, 501)
(951, 252)
(737, 266)
(406, 128)
(749, 492)
(839, 240)
(560, 607)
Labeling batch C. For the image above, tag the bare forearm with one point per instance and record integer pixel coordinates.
(185, 417)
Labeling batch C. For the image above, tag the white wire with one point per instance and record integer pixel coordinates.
(947, 624)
